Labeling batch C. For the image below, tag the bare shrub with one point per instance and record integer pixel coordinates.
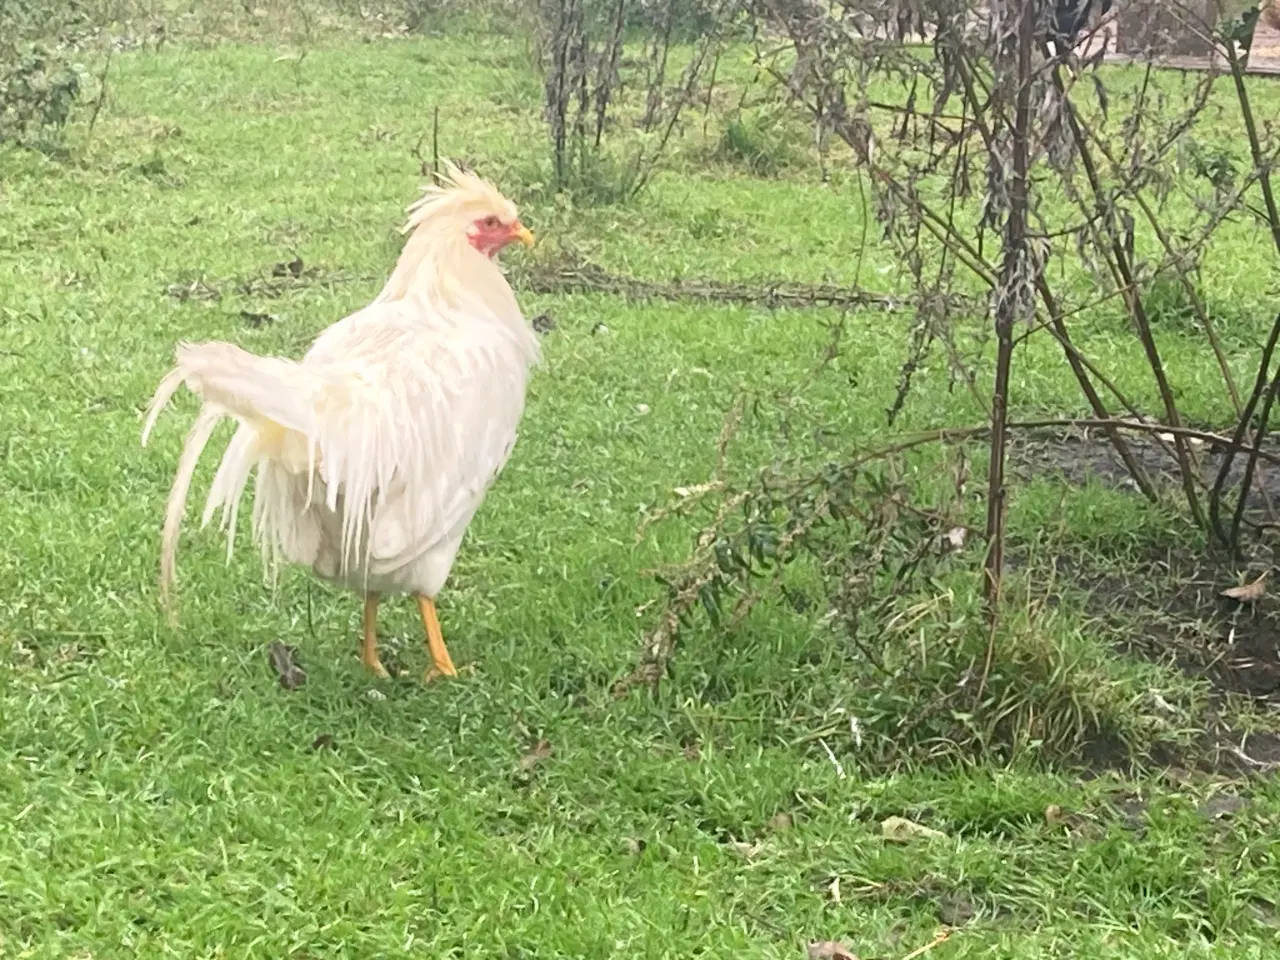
(40, 78)
(995, 152)
(580, 50)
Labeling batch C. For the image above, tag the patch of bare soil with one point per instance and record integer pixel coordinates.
(1170, 601)
(1084, 455)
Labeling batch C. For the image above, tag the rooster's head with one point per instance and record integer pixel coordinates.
(464, 206)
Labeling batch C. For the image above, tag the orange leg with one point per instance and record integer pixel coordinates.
(442, 664)
(369, 643)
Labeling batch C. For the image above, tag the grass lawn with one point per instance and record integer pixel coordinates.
(162, 795)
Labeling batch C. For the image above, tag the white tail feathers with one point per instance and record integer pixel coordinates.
(201, 430)
(267, 395)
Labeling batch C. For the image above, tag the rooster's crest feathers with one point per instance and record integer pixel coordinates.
(462, 194)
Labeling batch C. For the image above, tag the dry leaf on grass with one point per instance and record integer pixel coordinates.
(748, 851)
(283, 662)
(829, 950)
(902, 830)
(941, 937)
(541, 751)
(833, 890)
(1248, 592)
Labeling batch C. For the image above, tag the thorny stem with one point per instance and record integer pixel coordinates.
(1251, 464)
(688, 90)
(607, 71)
(1202, 313)
(1079, 363)
(1241, 426)
(1211, 332)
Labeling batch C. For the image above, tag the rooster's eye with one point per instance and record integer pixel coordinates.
(491, 222)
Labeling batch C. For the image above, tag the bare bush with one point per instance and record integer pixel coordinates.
(581, 45)
(40, 78)
(998, 151)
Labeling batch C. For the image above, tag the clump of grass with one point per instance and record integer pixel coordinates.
(901, 665)
(760, 143)
(1171, 306)
(937, 688)
(601, 179)
(1046, 686)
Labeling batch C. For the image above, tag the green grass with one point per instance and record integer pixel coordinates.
(163, 796)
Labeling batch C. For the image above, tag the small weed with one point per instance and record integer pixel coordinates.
(1169, 304)
(761, 143)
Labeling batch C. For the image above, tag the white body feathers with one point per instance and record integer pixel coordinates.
(374, 452)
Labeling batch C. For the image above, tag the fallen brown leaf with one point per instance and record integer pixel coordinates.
(833, 890)
(829, 950)
(282, 660)
(1248, 592)
(541, 751)
(902, 830)
(748, 851)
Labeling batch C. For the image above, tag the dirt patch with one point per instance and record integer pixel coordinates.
(1087, 455)
(1166, 601)
(1174, 593)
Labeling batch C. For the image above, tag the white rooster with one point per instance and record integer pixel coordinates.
(374, 452)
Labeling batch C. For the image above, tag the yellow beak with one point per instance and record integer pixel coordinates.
(523, 234)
